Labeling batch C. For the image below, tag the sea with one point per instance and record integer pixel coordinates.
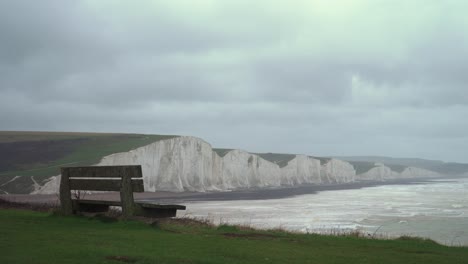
(435, 209)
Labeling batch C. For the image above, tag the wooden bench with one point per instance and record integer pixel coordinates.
(123, 179)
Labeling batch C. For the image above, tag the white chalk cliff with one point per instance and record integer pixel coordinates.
(300, 170)
(382, 173)
(379, 173)
(190, 164)
(413, 172)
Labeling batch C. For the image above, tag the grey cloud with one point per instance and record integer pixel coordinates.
(107, 62)
(49, 27)
(259, 75)
(302, 80)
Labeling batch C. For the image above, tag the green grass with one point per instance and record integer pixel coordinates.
(89, 152)
(281, 159)
(34, 237)
(221, 152)
(362, 166)
(323, 160)
(396, 167)
(16, 136)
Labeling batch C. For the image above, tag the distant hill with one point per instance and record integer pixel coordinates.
(451, 168)
(41, 154)
(396, 164)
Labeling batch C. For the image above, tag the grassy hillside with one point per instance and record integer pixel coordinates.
(283, 159)
(221, 151)
(33, 237)
(41, 154)
(280, 159)
(277, 158)
(362, 166)
(420, 163)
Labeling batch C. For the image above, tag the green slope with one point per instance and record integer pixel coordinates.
(362, 166)
(41, 154)
(221, 151)
(277, 158)
(32, 237)
(280, 159)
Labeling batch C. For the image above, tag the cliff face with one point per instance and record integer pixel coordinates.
(412, 172)
(300, 170)
(381, 173)
(190, 164)
(173, 165)
(337, 171)
(241, 169)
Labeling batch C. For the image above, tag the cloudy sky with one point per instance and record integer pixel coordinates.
(321, 77)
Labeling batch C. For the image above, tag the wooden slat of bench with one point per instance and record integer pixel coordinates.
(142, 204)
(104, 185)
(132, 171)
(110, 203)
(161, 206)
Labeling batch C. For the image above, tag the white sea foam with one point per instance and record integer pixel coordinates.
(437, 210)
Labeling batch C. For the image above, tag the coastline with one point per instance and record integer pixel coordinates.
(286, 192)
(245, 194)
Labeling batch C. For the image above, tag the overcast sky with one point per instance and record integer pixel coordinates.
(323, 78)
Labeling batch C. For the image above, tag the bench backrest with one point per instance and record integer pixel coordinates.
(104, 178)
(124, 179)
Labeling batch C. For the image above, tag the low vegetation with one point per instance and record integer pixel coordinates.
(43, 237)
(362, 166)
(41, 154)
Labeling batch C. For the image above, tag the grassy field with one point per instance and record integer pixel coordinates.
(37, 237)
(41, 154)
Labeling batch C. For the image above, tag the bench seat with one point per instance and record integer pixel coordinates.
(142, 208)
